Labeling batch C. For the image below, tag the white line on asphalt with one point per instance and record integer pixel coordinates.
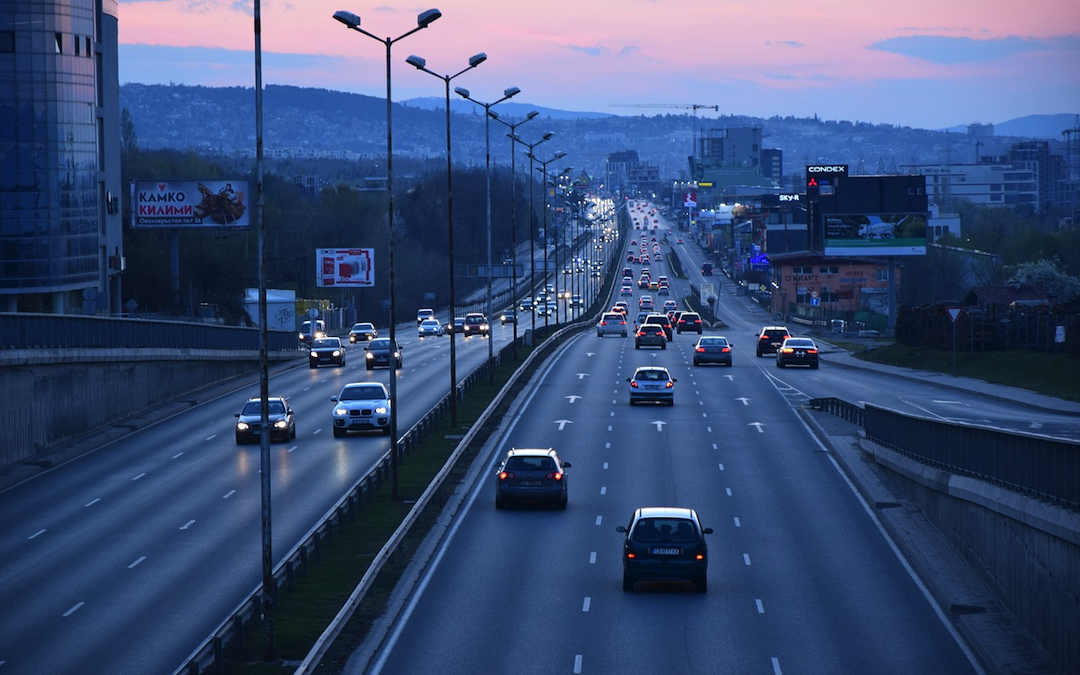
(599, 519)
(139, 476)
(760, 607)
(603, 490)
(141, 558)
(609, 427)
(605, 465)
(738, 523)
(721, 467)
(177, 455)
(211, 437)
(728, 492)
(35, 535)
(776, 666)
(607, 445)
(228, 494)
(585, 605)
(704, 414)
(577, 664)
(714, 444)
(746, 558)
(92, 502)
(187, 524)
(73, 609)
(592, 558)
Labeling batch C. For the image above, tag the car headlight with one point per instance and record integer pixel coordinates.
(313, 355)
(381, 410)
(340, 411)
(281, 424)
(242, 426)
(369, 355)
(337, 352)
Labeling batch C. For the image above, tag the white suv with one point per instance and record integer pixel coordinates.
(423, 314)
(611, 323)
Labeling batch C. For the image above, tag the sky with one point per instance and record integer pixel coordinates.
(920, 63)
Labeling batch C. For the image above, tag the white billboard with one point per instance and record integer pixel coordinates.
(189, 203)
(345, 267)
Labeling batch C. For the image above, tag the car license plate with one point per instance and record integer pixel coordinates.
(530, 483)
(665, 551)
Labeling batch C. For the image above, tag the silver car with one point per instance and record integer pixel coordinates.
(429, 328)
(361, 406)
(611, 323)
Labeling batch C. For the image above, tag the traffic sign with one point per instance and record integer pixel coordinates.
(954, 312)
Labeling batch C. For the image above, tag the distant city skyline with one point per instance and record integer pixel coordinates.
(921, 63)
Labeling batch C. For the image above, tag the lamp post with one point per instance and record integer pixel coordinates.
(507, 94)
(421, 64)
(513, 211)
(543, 167)
(532, 214)
(352, 22)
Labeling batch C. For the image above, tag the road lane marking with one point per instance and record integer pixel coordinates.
(737, 522)
(605, 465)
(577, 664)
(73, 609)
(603, 490)
(746, 558)
(177, 455)
(141, 558)
(572, 397)
(139, 476)
(187, 524)
(728, 491)
(585, 605)
(36, 534)
(92, 502)
(776, 666)
(760, 607)
(228, 494)
(745, 401)
(721, 467)
(599, 519)
(759, 426)
(562, 423)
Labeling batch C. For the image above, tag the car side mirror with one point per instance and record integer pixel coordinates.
(628, 379)
(621, 528)
(706, 530)
(334, 399)
(674, 380)
(566, 465)
(236, 415)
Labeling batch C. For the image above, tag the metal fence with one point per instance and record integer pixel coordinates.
(1040, 466)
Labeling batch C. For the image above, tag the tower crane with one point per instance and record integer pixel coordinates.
(681, 106)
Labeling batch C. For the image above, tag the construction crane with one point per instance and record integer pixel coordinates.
(680, 106)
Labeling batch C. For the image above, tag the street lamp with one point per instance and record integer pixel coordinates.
(532, 214)
(513, 210)
(421, 64)
(543, 167)
(507, 94)
(352, 22)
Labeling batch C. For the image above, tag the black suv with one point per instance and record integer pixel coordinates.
(769, 339)
(665, 544)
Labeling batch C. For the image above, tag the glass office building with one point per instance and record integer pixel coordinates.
(60, 223)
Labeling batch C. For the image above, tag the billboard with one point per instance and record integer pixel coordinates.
(875, 234)
(189, 203)
(345, 267)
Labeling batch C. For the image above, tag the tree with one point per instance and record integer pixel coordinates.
(1048, 275)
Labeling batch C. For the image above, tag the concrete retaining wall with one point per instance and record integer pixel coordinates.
(1025, 550)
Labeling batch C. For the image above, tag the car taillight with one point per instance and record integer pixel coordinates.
(630, 554)
(726, 349)
(669, 384)
(622, 323)
(699, 556)
(699, 349)
(555, 475)
(787, 350)
(603, 323)
(633, 384)
(505, 474)
(811, 351)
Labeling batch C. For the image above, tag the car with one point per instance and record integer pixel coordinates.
(326, 350)
(712, 349)
(662, 279)
(544, 310)
(665, 543)
(526, 305)
(423, 314)
(670, 306)
(643, 281)
(476, 324)
(611, 323)
(622, 307)
(312, 330)
(577, 301)
(361, 406)
(509, 316)
(679, 240)
(769, 339)
(640, 319)
(652, 383)
(665, 322)
(362, 332)
(650, 335)
(654, 285)
(645, 302)
(429, 328)
(664, 289)
(281, 419)
(459, 324)
(797, 351)
(379, 353)
(689, 322)
(531, 475)
(626, 291)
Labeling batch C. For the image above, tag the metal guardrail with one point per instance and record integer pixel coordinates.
(1032, 464)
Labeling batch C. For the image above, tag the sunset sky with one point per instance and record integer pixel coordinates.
(919, 63)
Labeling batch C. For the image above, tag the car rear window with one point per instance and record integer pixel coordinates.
(530, 464)
(677, 530)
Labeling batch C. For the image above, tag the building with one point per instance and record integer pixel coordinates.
(813, 287)
(61, 243)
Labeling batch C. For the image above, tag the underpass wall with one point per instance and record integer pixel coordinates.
(51, 398)
(1025, 550)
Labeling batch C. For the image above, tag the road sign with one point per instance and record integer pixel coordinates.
(954, 312)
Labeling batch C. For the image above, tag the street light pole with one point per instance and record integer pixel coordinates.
(352, 22)
(421, 64)
(532, 215)
(507, 94)
(513, 211)
(543, 168)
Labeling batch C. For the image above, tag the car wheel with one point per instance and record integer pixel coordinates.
(624, 334)
(814, 366)
(627, 582)
(500, 503)
(671, 403)
(631, 403)
(663, 345)
(696, 362)
(598, 334)
(701, 584)
(370, 367)
(338, 433)
(779, 363)
(386, 431)
(562, 503)
(637, 345)
(239, 441)
(311, 366)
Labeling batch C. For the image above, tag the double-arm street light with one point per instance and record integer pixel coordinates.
(532, 214)
(513, 210)
(421, 64)
(507, 94)
(543, 167)
(352, 22)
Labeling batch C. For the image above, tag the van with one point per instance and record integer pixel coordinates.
(312, 330)
(424, 314)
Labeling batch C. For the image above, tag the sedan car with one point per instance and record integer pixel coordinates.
(249, 420)
(327, 350)
(712, 350)
(797, 351)
(665, 543)
(531, 475)
(652, 383)
(362, 332)
(611, 323)
(429, 328)
(379, 353)
(650, 335)
(361, 406)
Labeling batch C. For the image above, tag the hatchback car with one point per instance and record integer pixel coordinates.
(327, 350)
(361, 406)
(689, 322)
(475, 324)
(650, 335)
(670, 306)
(611, 323)
(646, 302)
(429, 328)
(626, 291)
(249, 420)
(531, 475)
(797, 351)
(652, 383)
(664, 289)
(665, 543)
(362, 332)
(769, 339)
(379, 353)
(712, 350)
(664, 321)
